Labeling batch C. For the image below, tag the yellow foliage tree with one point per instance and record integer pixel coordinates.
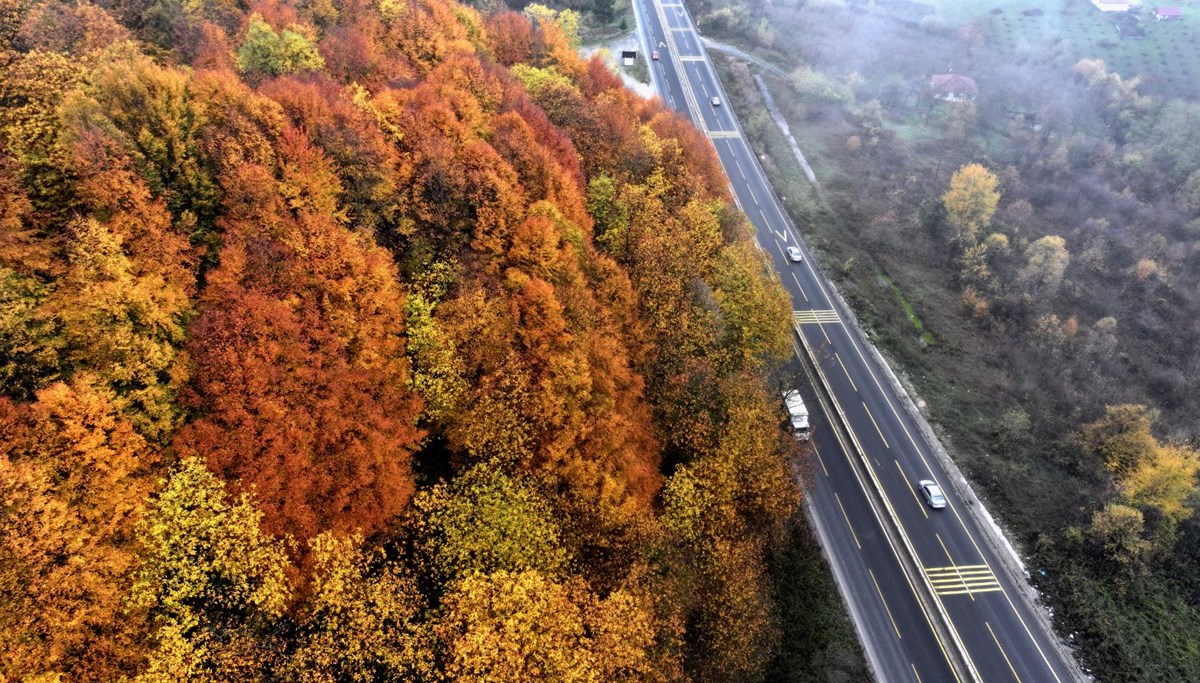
(361, 619)
(1147, 472)
(512, 627)
(124, 326)
(970, 202)
(1046, 262)
(210, 579)
(1165, 480)
(486, 521)
(1118, 529)
(1122, 437)
(754, 307)
(522, 626)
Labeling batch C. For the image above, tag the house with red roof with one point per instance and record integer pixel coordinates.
(953, 87)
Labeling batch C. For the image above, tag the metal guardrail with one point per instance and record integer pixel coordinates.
(963, 665)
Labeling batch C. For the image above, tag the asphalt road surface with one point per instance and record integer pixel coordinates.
(973, 596)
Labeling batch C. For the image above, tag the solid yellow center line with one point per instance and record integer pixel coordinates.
(881, 436)
(912, 588)
(912, 490)
(839, 360)
(847, 518)
(885, 605)
(921, 453)
(1006, 659)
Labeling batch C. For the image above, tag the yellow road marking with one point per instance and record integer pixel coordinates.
(885, 441)
(862, 485)
(962, 579)
(1006, 659)
(921, 454)
(847, 518)
(885, 605)
(914, 668)
(820, 460)
(839, 360)
(947, 551)
(913, 491)
(815, 317)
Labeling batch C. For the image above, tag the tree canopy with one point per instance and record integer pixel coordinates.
(375, 341)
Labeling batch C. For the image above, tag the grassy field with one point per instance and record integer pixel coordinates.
(1167, 56)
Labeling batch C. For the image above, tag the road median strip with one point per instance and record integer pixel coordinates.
(957, 656)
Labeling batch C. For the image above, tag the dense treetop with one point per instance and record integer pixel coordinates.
(350, 341)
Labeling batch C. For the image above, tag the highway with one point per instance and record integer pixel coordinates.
(931, 597)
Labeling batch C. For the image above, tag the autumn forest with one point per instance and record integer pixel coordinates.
(355, 340)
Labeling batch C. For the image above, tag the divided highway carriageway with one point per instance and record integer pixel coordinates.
(932, 596)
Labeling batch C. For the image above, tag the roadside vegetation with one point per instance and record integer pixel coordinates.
(1045, 231)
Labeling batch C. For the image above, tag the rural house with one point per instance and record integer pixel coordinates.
(953, 87)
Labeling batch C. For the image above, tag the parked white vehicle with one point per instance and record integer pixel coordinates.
(797, 414)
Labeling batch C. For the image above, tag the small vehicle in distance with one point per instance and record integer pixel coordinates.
(654, 55)
(932, 493)
(794, 254)
(716, 101)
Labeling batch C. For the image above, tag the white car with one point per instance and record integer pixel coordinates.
(932, 493)
(716, 101)
(794, 254)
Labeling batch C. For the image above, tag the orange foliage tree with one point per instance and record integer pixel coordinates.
(300, 374)
(73, 474)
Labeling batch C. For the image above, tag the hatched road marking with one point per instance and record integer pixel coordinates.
(811, 317)
(962, 579)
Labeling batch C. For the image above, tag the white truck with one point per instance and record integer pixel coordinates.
(797, 413)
